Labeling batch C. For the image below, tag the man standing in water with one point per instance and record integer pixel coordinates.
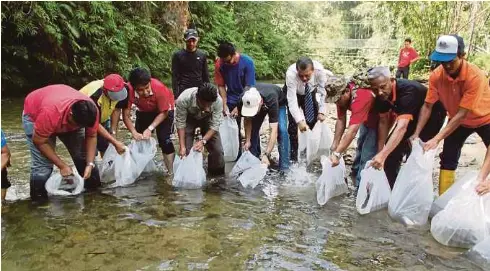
(464, 91)
(408, 55)
(404, 98)
(63, 112)
(201, 107)
(356, 96)
(155, 104)
(189, 65)
(106, 94)
(234, 73)
(305, 88)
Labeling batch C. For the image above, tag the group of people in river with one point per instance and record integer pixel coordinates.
(87, 120)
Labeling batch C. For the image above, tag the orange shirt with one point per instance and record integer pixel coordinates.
(470, 90)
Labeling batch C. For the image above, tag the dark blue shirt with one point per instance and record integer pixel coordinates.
(236, 77)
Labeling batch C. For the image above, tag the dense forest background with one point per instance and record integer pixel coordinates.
(75, 42)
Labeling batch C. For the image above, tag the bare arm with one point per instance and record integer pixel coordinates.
(127, 120)
(339, 131)
(181, 133)
(424, 116)
(5, 156)
(452, 124)
(248, 129)
(115, 116)
(222, 93)
(272, 137)
(383, 129)
(347, 138)
(42, 143)
(396, 137)
(159, 118)
(105, 134)
(482, 175)
(415, 59)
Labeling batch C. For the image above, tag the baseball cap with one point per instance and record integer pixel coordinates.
(190, 34)
(115, 87)
(446, 48)
(335, 87)
(251, 102)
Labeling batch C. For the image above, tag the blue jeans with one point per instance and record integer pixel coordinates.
(367, 147)
(282, 137)
(41, 166)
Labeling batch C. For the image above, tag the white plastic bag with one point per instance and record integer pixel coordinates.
(480, 254)
(412, 195)
(326, 138)
(466, 219)
(59, 186)
(252, 176)
(129, 166)
(309, 141)
(331, 183)
(316, 142)
(189, 172)
(440, 203)
(246, 161)
(106, 171)
(228, 131)
(374, 190)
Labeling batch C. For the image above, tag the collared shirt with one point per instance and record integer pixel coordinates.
(186, 106)
(407, 100)
(295, 86)
(95, 91)
(470, 90)
(49, 108)
(161, 98)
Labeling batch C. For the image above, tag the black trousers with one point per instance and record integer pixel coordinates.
(164, 129)
(293, 126)
(451, 151)
(403, 72)
(433, 126)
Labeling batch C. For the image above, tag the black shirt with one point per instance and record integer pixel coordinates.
(273, 97)
(409, 98)
(189, 69)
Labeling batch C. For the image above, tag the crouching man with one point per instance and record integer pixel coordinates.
(63, 112)
(354, 95)
(266, 99)
(106, 94)
(200, 107)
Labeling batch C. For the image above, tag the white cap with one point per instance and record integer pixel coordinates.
(251, 102)
(446, 49)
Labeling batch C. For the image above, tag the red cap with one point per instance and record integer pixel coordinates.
(114, 82)
(115, 87)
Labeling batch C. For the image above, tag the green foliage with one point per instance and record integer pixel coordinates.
(76, 42)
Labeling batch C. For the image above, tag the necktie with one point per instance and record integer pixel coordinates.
(309, 107)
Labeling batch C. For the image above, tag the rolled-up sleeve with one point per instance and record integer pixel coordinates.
(322, 80)
(293, 107)
(181, 112)
(217, 116)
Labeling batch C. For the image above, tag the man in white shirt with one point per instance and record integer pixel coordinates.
(305, 86)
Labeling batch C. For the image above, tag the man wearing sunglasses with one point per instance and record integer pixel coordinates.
(463, 90)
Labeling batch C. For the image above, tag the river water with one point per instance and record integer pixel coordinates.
(152, 226)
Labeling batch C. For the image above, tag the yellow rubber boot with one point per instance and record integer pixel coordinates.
(446, 179)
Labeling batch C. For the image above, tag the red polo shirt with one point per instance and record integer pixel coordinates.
(362, 109)
(49, 108)
(161, 99)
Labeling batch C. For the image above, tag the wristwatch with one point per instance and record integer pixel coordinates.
(91, 164)
(337, 154)
(113, 132)
(151, 128)
(204, 141)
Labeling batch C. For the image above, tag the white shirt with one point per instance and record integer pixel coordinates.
(296, 86)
